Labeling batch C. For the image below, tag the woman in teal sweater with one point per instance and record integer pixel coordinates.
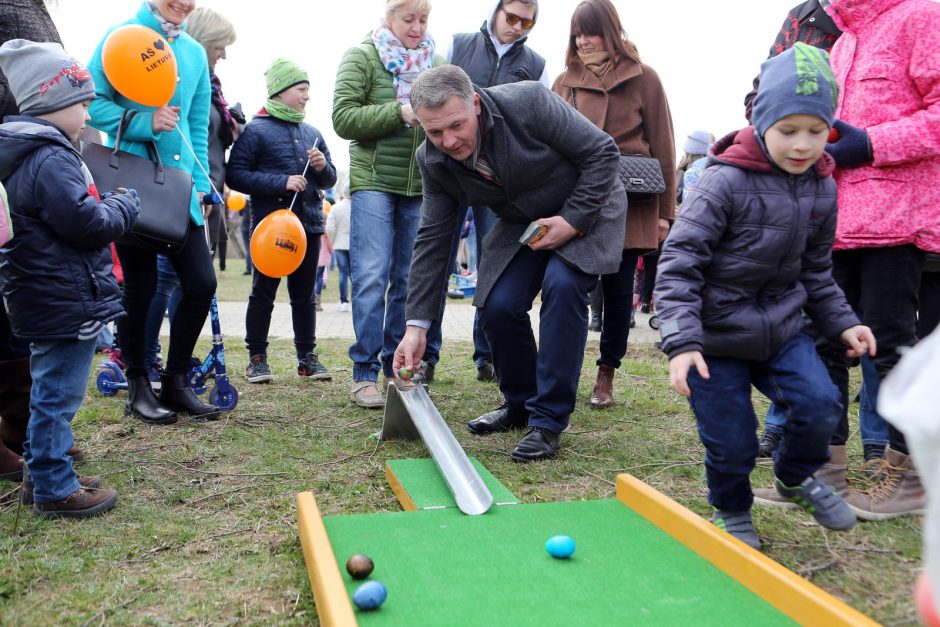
(371, 107)
(187, 114)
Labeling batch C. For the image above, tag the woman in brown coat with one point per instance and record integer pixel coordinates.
(608, 84)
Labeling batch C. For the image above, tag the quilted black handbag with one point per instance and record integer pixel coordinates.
(165, 192)
(642, 176)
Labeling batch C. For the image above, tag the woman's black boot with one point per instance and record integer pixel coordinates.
(143, 404)
(177, 393)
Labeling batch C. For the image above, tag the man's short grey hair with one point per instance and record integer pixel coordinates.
(436, 86)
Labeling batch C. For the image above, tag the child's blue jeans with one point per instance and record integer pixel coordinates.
(796, 380)
(60, 372)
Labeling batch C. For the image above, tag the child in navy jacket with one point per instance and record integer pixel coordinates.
(268, 163)
(750, 251)
(55, 272)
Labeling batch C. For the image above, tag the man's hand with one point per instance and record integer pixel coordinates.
(860, 341)
(407, 115)
(165, 119)
(317, 159)
(679, 371)
(296, 183)
(410, 350)
(559, 232)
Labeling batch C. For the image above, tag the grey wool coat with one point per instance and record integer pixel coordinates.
(550, 161)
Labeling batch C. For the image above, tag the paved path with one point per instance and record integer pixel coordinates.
(458, 323)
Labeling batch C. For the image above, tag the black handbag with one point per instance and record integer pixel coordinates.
(165, 192)
(642, 176)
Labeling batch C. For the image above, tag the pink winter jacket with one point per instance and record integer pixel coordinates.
(887, 63)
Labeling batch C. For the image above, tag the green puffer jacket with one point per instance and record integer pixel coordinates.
(365, 111)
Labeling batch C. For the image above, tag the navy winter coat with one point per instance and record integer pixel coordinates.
(56, 273)
(752, 247)
(266, 153)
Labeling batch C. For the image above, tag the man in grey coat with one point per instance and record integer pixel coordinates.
(525, 153)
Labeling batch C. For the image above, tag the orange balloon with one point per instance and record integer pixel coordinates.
(140, 64)
(326, 206)
(278, 244)
(236, 201)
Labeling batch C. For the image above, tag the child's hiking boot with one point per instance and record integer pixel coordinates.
(739, 525)
(819, 499)
(26, 496)
(258, 370)
(82, 503)
(311, 367)
(768, 443)
(898, 492)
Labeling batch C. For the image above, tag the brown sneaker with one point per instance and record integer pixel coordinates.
(26, 496)
(832, 473)
(898, 492)
(82, 503)
(366, 394)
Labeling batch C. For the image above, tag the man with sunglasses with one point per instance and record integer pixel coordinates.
(495, 55)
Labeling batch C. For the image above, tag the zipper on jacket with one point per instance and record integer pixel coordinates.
(413, 161)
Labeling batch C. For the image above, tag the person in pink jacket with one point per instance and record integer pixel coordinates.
(887, 63)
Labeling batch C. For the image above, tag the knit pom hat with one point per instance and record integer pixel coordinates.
(798, 80)
(697, 143)
(283, 74)
(43, 77)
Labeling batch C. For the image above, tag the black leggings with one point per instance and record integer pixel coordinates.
(197, 285)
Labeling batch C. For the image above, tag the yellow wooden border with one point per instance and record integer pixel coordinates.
(793, 595)
(399, 490)
(333, 605)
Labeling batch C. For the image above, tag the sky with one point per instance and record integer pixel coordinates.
(706, 53)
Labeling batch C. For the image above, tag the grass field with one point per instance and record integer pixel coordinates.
(205, 532)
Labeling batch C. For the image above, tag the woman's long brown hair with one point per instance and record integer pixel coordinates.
(599, 17)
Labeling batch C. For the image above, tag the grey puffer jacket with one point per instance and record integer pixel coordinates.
(751, 248)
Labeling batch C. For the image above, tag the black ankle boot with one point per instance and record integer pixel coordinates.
(143, 404)
(177, 393)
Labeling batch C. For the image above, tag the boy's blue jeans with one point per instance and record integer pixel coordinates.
(60, 372)
(796, 380)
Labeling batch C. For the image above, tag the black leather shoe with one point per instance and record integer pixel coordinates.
(143, 404)
(486, 372)
(177, 393)
(537, 444)
(503, 418)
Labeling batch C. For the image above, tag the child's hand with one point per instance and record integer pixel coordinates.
(860, 341)
(679, 371)
(165, 119)
(317, 159)
(296, 183)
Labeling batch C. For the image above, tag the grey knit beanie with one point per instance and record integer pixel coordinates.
(43, 77)
(798, 80)
(697, 143)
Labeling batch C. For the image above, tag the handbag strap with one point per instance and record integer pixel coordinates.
(574, 102)
(152, 151)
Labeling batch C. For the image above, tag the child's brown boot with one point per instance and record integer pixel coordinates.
(82, 503)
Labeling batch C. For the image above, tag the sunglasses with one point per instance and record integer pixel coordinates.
(512, 19)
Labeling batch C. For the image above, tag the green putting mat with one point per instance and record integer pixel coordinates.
(425, 484)
(444, 568)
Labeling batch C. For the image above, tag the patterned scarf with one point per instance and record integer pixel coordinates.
(403, 64)
(281, 111)
(169, 30)
(226, 133)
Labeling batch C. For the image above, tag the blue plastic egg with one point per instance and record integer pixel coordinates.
(560, 547)
(370, 595)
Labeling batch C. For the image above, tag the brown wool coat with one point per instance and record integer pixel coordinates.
(630, 105)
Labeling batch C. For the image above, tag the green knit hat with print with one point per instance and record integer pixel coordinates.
(283, 74)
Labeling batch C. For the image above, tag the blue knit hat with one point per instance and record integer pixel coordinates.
(798, 80)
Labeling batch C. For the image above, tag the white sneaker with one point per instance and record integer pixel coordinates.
(344, 307)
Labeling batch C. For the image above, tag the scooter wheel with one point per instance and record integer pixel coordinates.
(227, 400)
(654, 322)
(106, 382)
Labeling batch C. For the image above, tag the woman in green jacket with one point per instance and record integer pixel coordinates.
(371, 108)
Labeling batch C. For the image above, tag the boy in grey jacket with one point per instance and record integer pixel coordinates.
(750, 251)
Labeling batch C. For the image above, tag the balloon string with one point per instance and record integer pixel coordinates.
(196, 159)
(294, 199)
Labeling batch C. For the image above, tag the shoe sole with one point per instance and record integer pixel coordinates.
(261, 378)
(97, 510)
(163, 421)
(876, 516)
(780, 504)
(524, 460)
(325, 376)
(489, 431)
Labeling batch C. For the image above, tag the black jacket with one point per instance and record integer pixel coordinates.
(266, 153)
(56, 271)
(476, 55)
(807, 23)
(751, 248)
